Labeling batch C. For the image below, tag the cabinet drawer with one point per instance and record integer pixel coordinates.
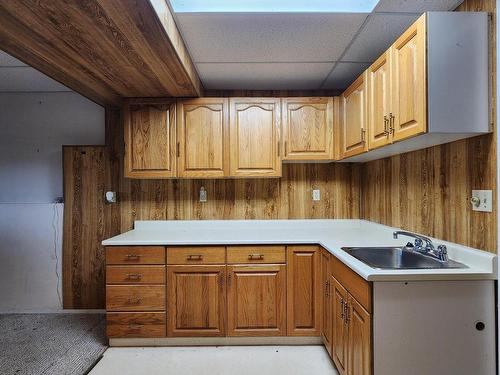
(135, 297)
(143, 324)
(256, 254)
(135, 255)
(135, 275)
(196, 255)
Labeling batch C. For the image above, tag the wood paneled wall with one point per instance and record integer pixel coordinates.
(428, 191)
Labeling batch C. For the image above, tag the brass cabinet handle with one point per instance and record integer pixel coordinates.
(134, 300)
(134, 326)
(229, 279)
(278, 148)
(342, 309)
(256, 257)
(178, 149)
(132, 257)
(386, 126)
(195, 257)
(346, 313)
(363, 135)
(391, 123)
(286, 148)
(134, 276)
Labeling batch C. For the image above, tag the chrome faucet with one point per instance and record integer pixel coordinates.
(440, 253)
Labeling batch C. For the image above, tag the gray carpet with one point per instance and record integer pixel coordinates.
(50, 344)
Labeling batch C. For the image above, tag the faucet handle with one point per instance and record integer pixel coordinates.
(418, 242)
(442, 253)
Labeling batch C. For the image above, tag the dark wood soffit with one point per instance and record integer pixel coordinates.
(103, 49)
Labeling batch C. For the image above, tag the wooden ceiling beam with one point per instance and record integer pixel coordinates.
(103, 49)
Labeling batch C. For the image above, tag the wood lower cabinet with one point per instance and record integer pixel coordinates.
(303, 291)
(339, 326)
(254, 132)
(196, 300)
(326, 308)
(256, 300)
(308, 128)
(359, 343)
(150, 138)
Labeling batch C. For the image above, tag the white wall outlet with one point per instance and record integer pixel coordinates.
(110, 197)
(203, 195)
(482, 200)
(316, 196)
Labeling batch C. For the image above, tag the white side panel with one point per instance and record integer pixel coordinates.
(457, 72)
(429, 328)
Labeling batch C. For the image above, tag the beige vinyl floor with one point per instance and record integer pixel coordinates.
(222, 360)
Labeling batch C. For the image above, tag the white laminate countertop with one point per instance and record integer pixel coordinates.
(330, 234)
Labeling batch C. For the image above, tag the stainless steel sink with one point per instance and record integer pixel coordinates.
(398, 258)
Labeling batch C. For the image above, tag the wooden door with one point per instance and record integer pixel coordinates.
(254, 130)
(379, 96)
(326, 327)
(308, 128)
(202, 135)
(339, 325)
(359, 341)
(196, 300)
(256, 300)
(354, 118)
(303, 291)
(408, 79)
(150, 146)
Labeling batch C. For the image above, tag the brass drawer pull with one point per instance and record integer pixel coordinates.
(195, 257)
(255, 257)
(134, 276)
(134, 326)
(132, 257)
(134, 301)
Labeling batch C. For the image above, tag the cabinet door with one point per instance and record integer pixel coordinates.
(359, 342)
(308, 128)
(354, 114)
(150, 144)
(379, 102)
(326, 328)
(255, 137)
(256, 300)
(409, 82)
(196, 300)
(303, 291)
(202, 132)
(339, 325)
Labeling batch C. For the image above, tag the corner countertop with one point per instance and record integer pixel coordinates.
(330, 234)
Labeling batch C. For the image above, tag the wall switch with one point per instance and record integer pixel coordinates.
(110, 197)
(203, 195)
(482, 200)
(316, 195)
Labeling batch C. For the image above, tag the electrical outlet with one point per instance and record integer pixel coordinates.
(203, 195)
(482, 200)
(316, 196)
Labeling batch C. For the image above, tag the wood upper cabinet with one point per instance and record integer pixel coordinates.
(409, 89)
(254, 130)
(339, 325)
(256, 300)
(202, 134)
(354, 118)
(150, 138)
(303, 291)
(326, 284)
(379, 102)
(196, 302)
(359, 341)
(308, 128)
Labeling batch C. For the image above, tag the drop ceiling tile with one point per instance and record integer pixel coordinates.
(379, 32)
(8, 60)
(268, 37)
(27, 79)
(415, 6)
(344, 74)
(263, 76)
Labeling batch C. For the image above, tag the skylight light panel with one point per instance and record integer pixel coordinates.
(302, 6)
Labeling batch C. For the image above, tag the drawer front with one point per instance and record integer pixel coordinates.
(135, 255)
(135, 297)
(143, 324)
(135, 275)
(196, 255)
(256, 254)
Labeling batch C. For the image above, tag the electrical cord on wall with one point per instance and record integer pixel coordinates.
(55, 226)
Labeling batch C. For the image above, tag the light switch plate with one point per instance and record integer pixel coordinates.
(482, 200)
(316, 196)
(203, 195)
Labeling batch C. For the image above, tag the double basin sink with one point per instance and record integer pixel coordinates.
(398, 258)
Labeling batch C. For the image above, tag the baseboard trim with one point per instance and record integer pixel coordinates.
(216, 341)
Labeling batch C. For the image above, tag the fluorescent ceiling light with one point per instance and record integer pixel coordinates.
(341, 6)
